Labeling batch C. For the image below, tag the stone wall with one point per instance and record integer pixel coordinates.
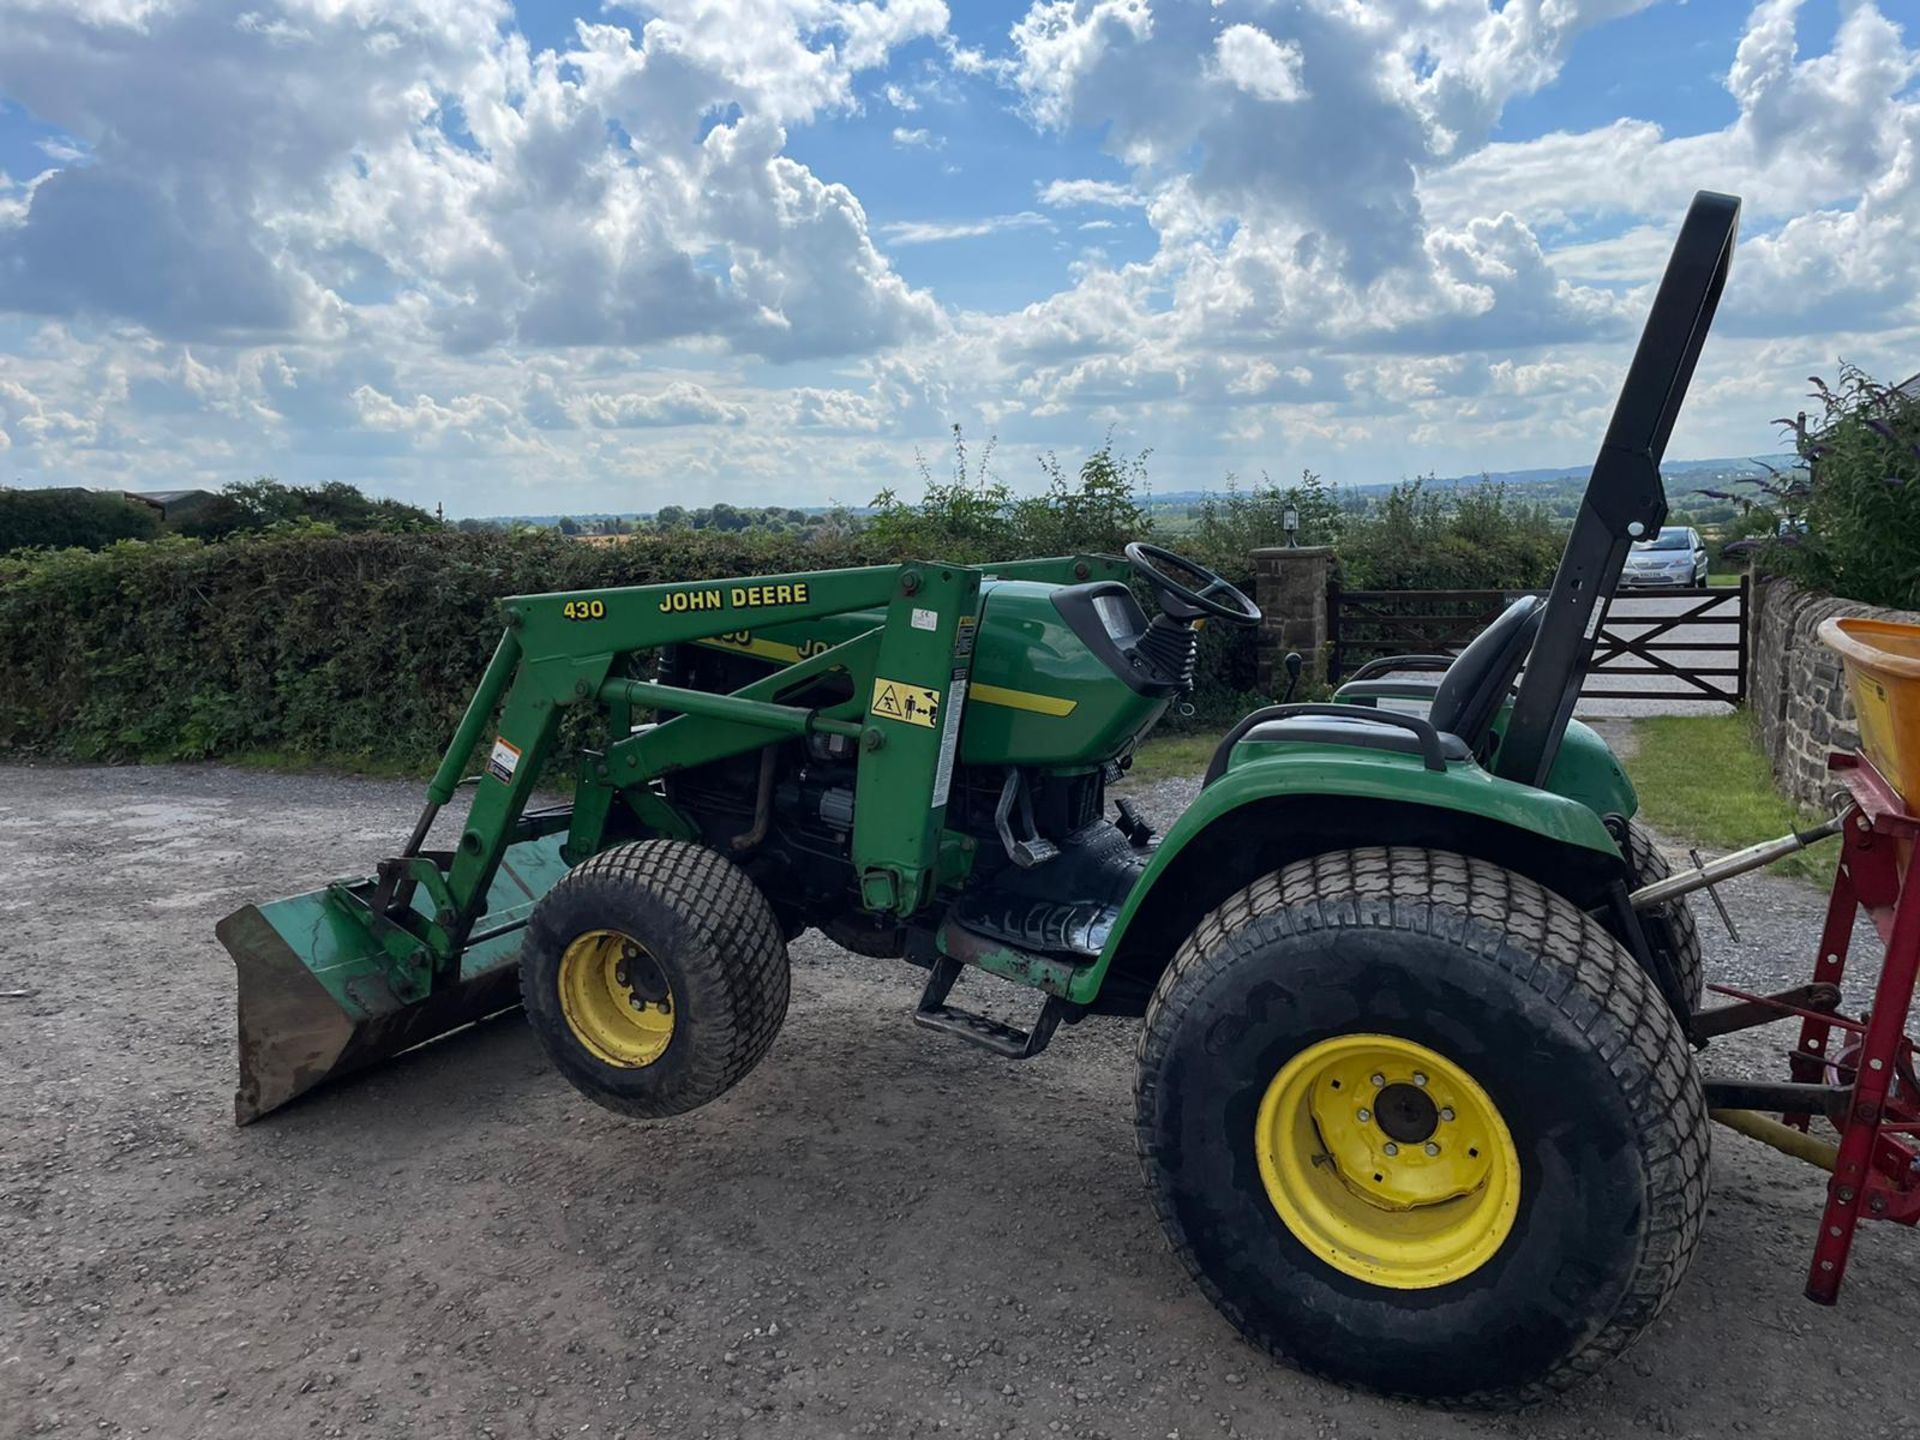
(1796, 687)
(1290, 587)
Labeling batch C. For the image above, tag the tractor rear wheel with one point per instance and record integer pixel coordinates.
(1669, 928)
(655, 977)
(1416, 1124)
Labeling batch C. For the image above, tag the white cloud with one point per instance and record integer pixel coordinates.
(1265, 68)
(415, 152)
(681, 403)
(927, 232)
(389, 240)
(1065, 193)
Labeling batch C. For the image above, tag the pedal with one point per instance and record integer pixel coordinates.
(1028, 854)
(934, 1013)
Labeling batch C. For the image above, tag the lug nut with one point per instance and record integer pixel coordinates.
(1392, 1149)
(1419, 1079)
(1432, 1149)
(1379, 1080)
(1446, 1112)
(1365, 1115)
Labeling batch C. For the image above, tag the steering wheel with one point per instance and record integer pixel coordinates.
(1186, 590)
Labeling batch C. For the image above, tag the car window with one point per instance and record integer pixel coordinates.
(1668, 539)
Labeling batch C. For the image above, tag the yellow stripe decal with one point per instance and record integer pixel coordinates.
(1021, 700)
(765, 649)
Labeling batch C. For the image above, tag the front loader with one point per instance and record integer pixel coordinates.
(1415, 1100)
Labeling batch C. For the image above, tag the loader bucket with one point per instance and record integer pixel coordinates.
(314, 1000)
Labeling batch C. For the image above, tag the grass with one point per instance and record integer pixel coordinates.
(1703, 780)
(1730, 581)
(1171, 757)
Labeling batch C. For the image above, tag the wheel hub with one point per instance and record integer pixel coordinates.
(616, 999)
(1388, 1160)
(1407, 1113)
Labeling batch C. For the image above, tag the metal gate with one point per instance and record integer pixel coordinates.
(1686, 644)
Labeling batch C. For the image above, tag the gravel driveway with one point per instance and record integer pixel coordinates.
(880, 1233)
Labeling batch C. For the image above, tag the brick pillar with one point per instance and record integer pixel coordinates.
(1290, 585)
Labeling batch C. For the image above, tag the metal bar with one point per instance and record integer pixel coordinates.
(1779, 1096)
(1494, 598)
(785, 719)
(1785, 1138)
(1836, 934)
(1745, 1014)
(1886, 1027)
(1624, 500)
(1728, 866)
(1740, 684)
(913, 710)
(1787, 1007)
(493, 684)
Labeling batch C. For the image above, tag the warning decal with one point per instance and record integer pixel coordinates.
(913, 704)
(504, 760)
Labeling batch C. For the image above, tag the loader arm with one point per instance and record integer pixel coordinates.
(345, 976)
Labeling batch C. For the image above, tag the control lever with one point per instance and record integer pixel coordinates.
(1713, 894)
(1293, 662)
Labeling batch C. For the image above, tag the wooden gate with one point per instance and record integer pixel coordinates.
(1686, 644)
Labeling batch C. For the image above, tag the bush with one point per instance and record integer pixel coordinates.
(972, 515)
(1479, 537)
(59, 519)
(1858, 497)
(304, 643)
(302, 640)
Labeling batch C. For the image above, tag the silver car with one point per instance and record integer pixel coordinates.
(1677, 556)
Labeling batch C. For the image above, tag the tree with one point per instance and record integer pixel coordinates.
(59, 519)
(266, 502)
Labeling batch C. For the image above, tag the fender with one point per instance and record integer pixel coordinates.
(1265, 781)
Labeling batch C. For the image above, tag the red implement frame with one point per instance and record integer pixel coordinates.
(1874, 1174)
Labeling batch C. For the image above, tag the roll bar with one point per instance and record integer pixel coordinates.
(1625, 500)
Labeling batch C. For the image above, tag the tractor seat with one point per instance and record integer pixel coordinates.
(1465, 704)
(1475, 686)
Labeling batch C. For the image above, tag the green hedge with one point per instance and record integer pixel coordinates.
(359, 649)
(342, 646)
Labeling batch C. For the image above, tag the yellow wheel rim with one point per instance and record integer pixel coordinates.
(1388, 1161)
(616, 999)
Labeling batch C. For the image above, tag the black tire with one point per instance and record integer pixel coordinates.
(1670, 928)
(1538, 1005)
(716, 945)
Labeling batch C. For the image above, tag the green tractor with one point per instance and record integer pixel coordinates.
(1415, 1098)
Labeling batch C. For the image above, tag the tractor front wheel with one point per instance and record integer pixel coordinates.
(655, 977)
(1416, 1124)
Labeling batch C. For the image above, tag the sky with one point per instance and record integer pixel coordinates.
(556, 256)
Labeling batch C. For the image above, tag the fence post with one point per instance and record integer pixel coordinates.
(1743, 660)
(1290, 586)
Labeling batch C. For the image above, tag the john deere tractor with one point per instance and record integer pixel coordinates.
(1415, 1099)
